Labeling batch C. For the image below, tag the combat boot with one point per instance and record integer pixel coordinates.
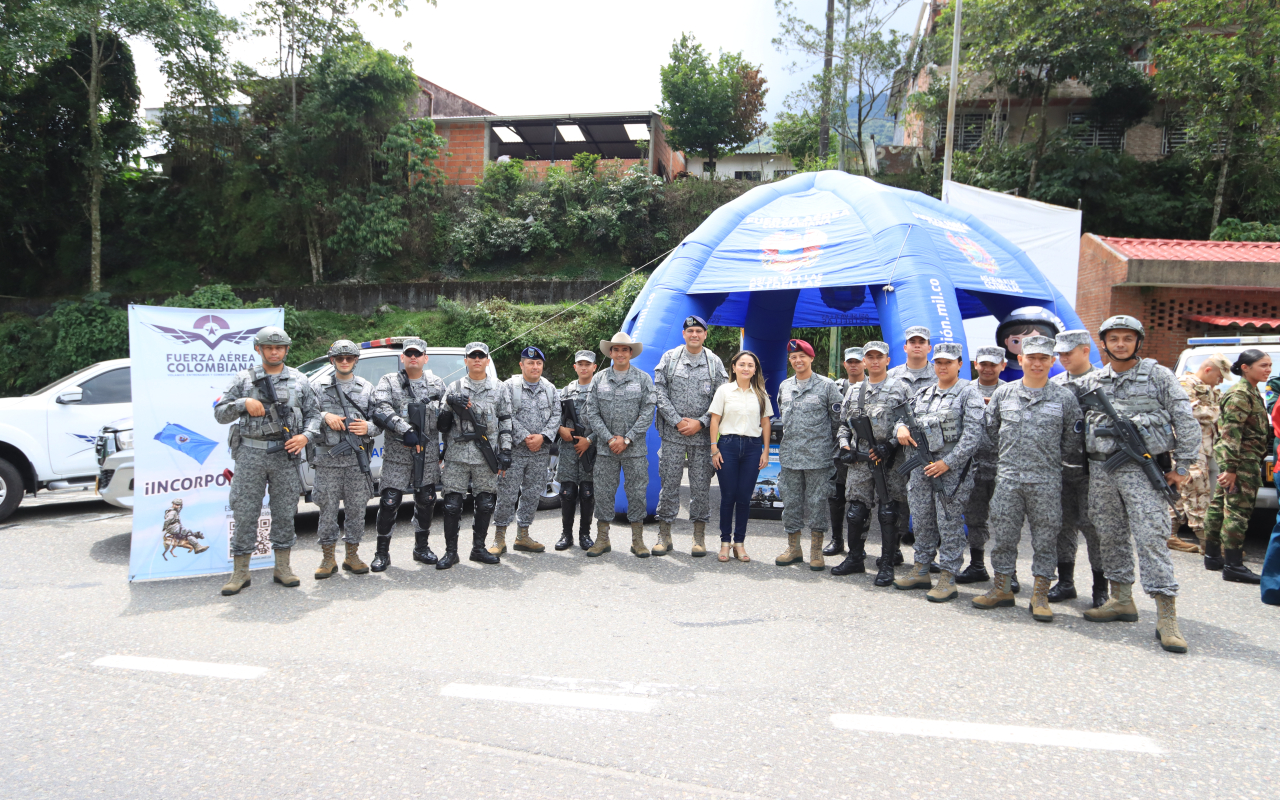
(792, 554)
(422, 548)
(1179, 544)
(1065, 589)
(450, 557)
(837, 529)
(998, 596)
(1039, 605)
(1234, 569)
(664, 539)
(352, 562)
(328, 565)
(1100, 594)
(816, 562)
(478, 552)
(1014, 586)
(945, 590)
(888, 548)
(637, 541)
(499, 540)
(1167, 625)
(976, 572)
(917, 578)
(601, 545)
(699, 540)
(526, 544)
(568, 507)
(283, 574)
(239, 579)
(1213, 560)
(855, 562)
(381, 554)
(1119, 607)
(584, 535)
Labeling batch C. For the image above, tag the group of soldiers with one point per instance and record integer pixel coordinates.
(954, 463)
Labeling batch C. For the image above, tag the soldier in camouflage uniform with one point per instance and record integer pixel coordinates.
(1202, 387)
(1036, 425)
(413, 383)
(916, 372)
(465, 467)
(620, 405)
(346, 405)
(172, 529)
(808, 408)
(854, 376)
(881, 399)
(991, 362)
(535, 418)
(686, 379)
(266, 446)
(950, 412)
(1126, 509)
(1241, 448)
(1073, 349)
(575, 468)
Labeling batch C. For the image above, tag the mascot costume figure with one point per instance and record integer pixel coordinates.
(1021, 323)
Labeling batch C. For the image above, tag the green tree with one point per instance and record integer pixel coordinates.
(712, 108)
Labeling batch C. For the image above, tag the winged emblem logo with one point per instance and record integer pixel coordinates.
(210, 329)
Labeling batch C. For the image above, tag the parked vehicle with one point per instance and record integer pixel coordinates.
(114, 448)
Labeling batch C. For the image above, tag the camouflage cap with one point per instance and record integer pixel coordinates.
(853, 352)
(951, 350)
(879, 347)
(1220, 361)
(474, 346)
(272, 335)
(344, 347)
(917, 330)
(1033, 345)
(991, 355)
(585, 355)
(1067, 341)
(414, 343)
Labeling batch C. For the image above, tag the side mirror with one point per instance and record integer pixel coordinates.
(69, 396)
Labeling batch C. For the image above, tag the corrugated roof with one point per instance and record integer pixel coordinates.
(1224, 322)
(761, 144)
(1192, 250)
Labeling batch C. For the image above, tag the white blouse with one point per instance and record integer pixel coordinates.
(739, 410)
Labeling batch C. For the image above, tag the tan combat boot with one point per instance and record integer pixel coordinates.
(525, 543)
(328, 566)
(664, 540)
(917, 578)
(1000, 595)
(1167, 625)
(239, 578)
(699, 540)
(1040, 610)
(1119, 607)
(352, 562)
(637, 541)
(602, 540)
(499, 540)
(945, 590)
(816, 562)
(283, 574)
(793, 553)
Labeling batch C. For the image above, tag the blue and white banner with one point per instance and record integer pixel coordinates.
(182, 360)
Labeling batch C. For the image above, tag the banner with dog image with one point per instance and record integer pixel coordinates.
(182, 360)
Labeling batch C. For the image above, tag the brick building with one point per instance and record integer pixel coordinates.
(1179, 289)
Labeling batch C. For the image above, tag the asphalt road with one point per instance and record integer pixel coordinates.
(554, 675)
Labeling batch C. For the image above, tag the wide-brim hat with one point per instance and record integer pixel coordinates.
(621, 338)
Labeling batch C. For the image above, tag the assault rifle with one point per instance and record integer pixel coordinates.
(921, 455)
(1130, 446)
(279, 414)
(569, 418)
(478, 433)
(350, 442)
(861, 426)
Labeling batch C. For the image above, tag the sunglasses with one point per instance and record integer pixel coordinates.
(477, 356)
(412, 354)
(345, 358)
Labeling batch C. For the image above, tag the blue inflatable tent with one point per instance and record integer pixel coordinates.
(829, 249)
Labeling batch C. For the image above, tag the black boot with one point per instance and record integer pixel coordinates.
(586, 512)
(568, 507)
(976, 572)
(381, 555)
(888, 546)
(1065, 589)
(422, 548)
(479, 552)
(485, 502)
(1213, 560)
(1014, 586)
(1101, 592)
(424, 507)
(854, 563)
(1235, 570)
(897, 558)
(836, 547)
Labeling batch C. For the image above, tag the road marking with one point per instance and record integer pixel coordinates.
(1017, 734)
(181, 667)
(547, 697)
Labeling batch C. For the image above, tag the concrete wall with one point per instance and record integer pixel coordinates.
(767, 164)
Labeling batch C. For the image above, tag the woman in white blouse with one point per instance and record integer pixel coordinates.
(740, 413)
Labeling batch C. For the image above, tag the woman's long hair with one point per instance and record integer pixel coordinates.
(1247, 359)
(757, 380)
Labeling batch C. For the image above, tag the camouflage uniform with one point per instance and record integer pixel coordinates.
(577, 485)
(1036, 431)
(172, 529)
(538, 412)
(882, 403)
(1075, 496)
(806, 457)
(984, 481)
(339, 478)
(464, 467)
(685, 384)
(256, 470)
(621, 404)
(391, 398)
(1198, 491)
(1241, 448)
(916, 379)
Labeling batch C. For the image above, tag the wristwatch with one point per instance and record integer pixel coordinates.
(1182, 471)
(626, 441)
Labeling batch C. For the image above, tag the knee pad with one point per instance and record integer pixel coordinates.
(453, 504)
(485, 502)
(391, 497)
(887, 513)
(426, 494)
(568, 492)
(587, 490)
(859, 517)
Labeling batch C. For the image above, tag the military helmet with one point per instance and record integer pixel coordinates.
(272, 335)
(1122, 322)
(344, 347)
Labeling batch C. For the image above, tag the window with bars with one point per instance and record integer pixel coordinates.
(971, 129)
(1088, 130)
(1176, 137)
(740, 175)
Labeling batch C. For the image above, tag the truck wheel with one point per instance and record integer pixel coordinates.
(550, 497)
(11, 489)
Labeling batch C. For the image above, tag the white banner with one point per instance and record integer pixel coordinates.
(182, 360)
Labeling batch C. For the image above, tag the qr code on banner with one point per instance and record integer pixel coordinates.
(262, 546)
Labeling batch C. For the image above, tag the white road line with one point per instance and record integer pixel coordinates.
(181, 667)
(547, 697)
(1017, 734)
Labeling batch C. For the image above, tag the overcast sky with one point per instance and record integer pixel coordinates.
(556, 56)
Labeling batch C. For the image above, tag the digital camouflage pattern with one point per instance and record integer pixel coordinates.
(916, 379)
(526, 480)
(685, 385)
(804, 494)
(621, 404)
(464, 466)
(1075, 486)
(1197, 492)
(339, 479)
(568, 467)
(881, 402)
(1241, 448)
(809, 412)
(976, 511)
(392, 398)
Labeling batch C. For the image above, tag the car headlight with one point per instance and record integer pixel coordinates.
(124, 440)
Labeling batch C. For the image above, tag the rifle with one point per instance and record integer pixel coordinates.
(1131, 447)
(352, 443)
(479, 431)
(861, 426)
(278, 413)
(569, 418)
(921, 455)
(417, 417)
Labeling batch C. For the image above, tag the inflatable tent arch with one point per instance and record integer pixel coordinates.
(829, 249)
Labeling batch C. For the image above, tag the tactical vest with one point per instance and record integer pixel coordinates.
(945, 425)
(261, 427)
(1142, 407)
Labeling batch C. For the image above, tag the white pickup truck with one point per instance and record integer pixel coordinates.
(47, 437)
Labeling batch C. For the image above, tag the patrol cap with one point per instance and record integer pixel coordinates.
(272, 335)
(585, 355)
(990, 355)
(951, 350)
(917, 330)
(800, 346)
(1067, 341)
(344, 347)
(476, 346)
(853, 352)
(1042, 345)
(878, 347)
(1220, 361)
(533, 352)
(694, 321)
(414, 344)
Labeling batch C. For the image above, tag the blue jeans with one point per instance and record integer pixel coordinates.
(737, 479)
